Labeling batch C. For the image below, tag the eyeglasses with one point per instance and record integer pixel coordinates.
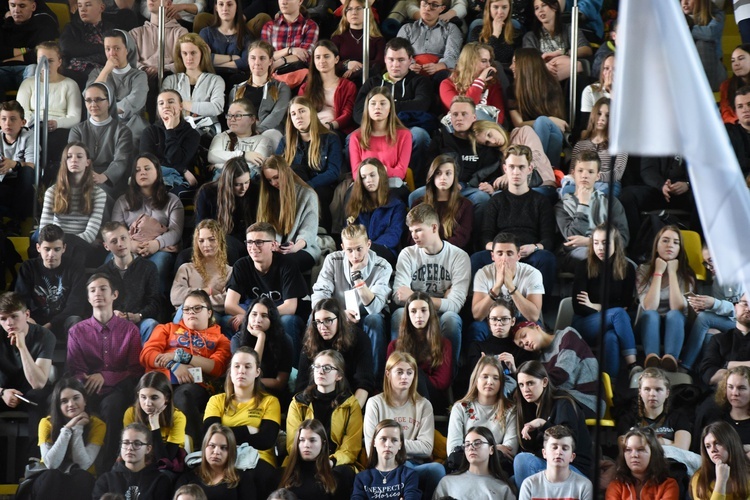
(502, 320)
(432, 6)
(256, 243)
(97, 100)
(194, 309)
(136, 445)
(354, 9)
(236, 117)
(326, 322)
(475, 445)
(324, 368)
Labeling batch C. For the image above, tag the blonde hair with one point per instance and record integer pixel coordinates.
(199, 260)
(205, 65)
(317, 129)
(463, 76)
(279, 206)
(394, 359)
(508, 30)
(344, 23)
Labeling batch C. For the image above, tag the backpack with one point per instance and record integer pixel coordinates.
(8, 260)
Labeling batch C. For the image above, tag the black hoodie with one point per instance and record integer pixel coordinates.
(148, 484)
(412, 93)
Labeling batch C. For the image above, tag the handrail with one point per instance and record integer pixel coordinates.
(573, 63)
(161, 37)
(40, 126)
(366, 42)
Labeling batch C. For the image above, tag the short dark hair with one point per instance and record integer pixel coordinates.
(261, 227)
(112, 225)
(505, 238)
(102, 276)
(12, 106)
(744, 90)
(589, 155)
(50, 233)
(559, 432)
(11, 302)
(400, 43)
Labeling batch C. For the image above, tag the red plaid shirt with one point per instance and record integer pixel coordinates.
(302, 33)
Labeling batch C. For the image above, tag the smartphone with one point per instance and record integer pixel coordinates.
(689, 294)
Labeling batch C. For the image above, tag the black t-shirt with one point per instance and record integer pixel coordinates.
(664, 426)
(41, 344)
(741, 426)
(283, 281)
(254, 94)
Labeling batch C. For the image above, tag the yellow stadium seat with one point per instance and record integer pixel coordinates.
(62, 11)
(606, 420)
(692, 243)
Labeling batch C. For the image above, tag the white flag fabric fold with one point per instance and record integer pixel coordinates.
(662, 105)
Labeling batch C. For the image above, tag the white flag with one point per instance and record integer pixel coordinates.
(662, 105)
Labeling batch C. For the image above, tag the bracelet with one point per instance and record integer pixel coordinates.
(536, 247)
(493, 295)
(360, 285)
(657, 275)
(23, 51)
(284, 59)
(513, 291)
(174, 367)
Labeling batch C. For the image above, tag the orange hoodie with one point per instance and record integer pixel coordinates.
(209, 343)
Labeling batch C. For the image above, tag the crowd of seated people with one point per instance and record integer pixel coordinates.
(186, 266)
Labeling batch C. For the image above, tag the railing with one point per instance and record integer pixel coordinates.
(40, 125)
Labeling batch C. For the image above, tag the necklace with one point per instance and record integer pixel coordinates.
(385, 476)
(358, 40)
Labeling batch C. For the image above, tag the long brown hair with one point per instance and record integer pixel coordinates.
(61, 199)
(393, 124)
(591, 131)
(702, 12)
(134, 195)
(739, 479)
(361, 200)
(537, 24)
(273, 90)
(230, 404)
(159, 382)
(658, 468)
(199, 261)
(279, 206)
(231, 477)
(238, 23)
(342, 341)
(225, 197)
(425, 345)
(293, 136)
(619, 261)
(538, 92)
(684, 271)
(314, 90)
(503, 405)
(448, 221)
(372, 460)
(344, 23)
(206, 66)
(735, 82)
(508, 29)
(323, 474)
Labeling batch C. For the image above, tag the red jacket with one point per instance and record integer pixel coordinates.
(343, 104)
(494, 95)
(209, 343)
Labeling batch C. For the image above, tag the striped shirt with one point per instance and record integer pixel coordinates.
(84, 226)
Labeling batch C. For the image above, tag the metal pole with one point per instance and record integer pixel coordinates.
(573, 63)
(366, 43)
(40, 126)
(161, 36)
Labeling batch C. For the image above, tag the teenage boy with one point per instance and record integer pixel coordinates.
(291, 35)
(358, 276)
(266, 273)
(52, 286)
(26, 353)
(578, 213)
(17, 163)
(129, 85)
(505, 278)
(135, 278)
(557, 481)
(435, 267)
(103, 353)
(728, 349)
(523, 212)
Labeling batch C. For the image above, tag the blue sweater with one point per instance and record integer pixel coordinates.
(385, 225)
(400, 483)
(330, 161)
(221, 44)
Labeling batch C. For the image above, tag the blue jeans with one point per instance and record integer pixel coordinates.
(429, 474)
(478, 331)
(697, 337)
(527, 464)
(146, 326)
(450, 327)
(649, 328)
(619, 338)
(551, 137)
(374, 326)
(12, 76)
(164, 262)
(294, 327)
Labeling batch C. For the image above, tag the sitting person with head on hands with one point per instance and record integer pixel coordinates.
(724, 470)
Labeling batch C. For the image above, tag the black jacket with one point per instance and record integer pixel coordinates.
(740, 139)
(176, 148)
(41, 27)
(723, 348)
(148, 484)
(412, 93)
(482, 166)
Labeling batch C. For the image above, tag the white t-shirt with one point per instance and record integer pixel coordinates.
(528, 279)
(537, 487)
